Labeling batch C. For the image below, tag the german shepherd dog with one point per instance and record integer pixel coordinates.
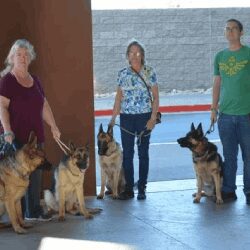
(207, 163)
(69, 185)
(14, 180)
(110, 159)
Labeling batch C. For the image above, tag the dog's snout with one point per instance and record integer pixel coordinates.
(102, 147)
(183, 142)
(180, 140)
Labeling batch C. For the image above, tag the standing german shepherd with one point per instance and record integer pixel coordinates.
(110, 159)
(207, 163)
(69, 185)
(14, 180)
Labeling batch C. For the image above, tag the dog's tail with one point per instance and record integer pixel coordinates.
(50, 200)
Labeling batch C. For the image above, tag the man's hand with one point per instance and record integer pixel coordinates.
(213, 115)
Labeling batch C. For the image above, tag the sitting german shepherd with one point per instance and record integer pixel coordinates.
(207, 163)
(69, 185)
(110, 159)
(14, 180)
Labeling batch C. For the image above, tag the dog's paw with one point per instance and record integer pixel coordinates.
(27, 225)
(94, 210)
(115, 197)
(219, 201)
(203, 194)
(20, 230)
(88, 216)
(61, 218)
(196, 200)
(100, 196)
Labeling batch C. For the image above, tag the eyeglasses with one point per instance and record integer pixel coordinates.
(137, 54)
(233, 29)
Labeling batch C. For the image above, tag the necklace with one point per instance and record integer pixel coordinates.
(25, 80)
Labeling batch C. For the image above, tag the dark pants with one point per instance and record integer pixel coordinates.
(31, 201)
(234, 131)
(135, 123)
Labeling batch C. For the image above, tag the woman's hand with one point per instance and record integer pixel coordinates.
(112, 121)
(9, 136)
(151, 123)
(55, 132)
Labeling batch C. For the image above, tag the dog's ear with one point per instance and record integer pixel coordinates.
(200, 130)
(87, 146)
(100, 128)
(110, 130)
(72, 147)
(32, 139)
(192, 127)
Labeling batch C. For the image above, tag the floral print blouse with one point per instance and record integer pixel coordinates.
(135, 96)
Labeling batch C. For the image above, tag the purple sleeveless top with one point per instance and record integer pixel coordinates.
(25, 108)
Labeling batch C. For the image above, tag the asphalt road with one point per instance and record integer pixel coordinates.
(168, 161)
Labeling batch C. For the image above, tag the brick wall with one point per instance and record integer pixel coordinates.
(180, 44)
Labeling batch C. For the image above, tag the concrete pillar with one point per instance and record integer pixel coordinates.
(61, 32)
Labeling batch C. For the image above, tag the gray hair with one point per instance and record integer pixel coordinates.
(140, 46)
(20, 43)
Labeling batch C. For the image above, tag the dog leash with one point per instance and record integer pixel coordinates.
(62, 146)
(211, 129)
(139, 137)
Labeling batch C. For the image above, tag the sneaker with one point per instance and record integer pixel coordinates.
(248, 199)
(43, 217)
(125, 195)
(31, 218)
(227, 197)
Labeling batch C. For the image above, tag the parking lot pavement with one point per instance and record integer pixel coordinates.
(168, 161)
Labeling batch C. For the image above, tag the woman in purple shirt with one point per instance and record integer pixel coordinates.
(23, 108)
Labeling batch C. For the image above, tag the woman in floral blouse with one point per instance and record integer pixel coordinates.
(137, 114)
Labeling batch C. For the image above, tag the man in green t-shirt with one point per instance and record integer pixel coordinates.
(231, 100)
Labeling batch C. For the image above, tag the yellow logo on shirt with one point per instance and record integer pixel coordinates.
(232, 67)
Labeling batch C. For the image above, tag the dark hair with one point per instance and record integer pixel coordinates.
(140, 46)
(239, 24)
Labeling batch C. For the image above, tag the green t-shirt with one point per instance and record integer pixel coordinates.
(234, 69)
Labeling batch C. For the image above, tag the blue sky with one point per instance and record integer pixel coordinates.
(151, 4)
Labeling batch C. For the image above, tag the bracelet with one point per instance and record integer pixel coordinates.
(8, 133)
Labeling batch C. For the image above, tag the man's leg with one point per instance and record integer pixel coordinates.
(244, 140)
(228, 135)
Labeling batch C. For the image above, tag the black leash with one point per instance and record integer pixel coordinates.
(139, 136)
(210, 130)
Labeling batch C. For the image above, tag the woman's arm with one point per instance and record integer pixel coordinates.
(5, 118)
(155, 106)
(117, 106)
(50, 120)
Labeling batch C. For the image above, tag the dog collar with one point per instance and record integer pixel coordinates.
(200, 157)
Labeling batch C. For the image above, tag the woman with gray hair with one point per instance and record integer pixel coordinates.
(137, 102)
(23, 108)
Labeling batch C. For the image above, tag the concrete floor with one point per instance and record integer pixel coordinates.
(168, 219)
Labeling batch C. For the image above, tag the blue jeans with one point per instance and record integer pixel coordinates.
(234, 131)
(135, 123)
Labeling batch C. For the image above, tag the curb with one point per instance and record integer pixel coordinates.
(165, 109)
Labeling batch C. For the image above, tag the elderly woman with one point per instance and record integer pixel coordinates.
(137, 114)
(23, 108)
